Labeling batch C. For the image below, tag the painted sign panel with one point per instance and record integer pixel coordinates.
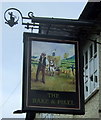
(51, 75)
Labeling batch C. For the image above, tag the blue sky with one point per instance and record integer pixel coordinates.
(12, 47)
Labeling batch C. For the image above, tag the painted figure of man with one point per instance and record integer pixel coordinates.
(41, 67)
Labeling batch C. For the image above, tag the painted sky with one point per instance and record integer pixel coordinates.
(11, 47)
(49, 47)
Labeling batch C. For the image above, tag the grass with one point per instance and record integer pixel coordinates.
(62, 82)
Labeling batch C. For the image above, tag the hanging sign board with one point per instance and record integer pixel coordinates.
(52, 75)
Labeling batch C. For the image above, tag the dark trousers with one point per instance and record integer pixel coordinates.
(42, 69)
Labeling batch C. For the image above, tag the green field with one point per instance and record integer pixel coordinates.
(63, 82)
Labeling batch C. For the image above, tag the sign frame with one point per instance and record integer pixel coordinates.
(51, 101)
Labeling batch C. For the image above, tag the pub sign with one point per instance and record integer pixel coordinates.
(52, 74)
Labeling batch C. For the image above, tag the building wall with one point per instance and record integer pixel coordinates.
(93, 102)
(54, 116)
(100, 74)
(91, 108)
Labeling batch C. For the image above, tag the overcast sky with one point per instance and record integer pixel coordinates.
(12, 47)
